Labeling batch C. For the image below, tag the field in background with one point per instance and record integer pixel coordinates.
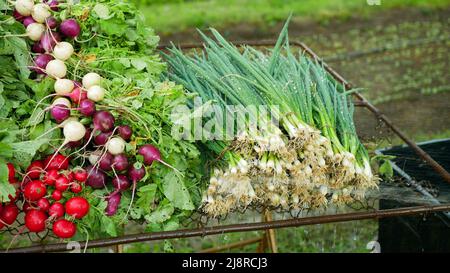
(174, 16)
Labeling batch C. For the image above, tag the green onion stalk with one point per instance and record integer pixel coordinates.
(304, 156)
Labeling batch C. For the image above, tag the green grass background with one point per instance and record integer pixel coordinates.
(172, 16)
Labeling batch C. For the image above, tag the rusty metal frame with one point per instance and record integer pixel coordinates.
(294, 222)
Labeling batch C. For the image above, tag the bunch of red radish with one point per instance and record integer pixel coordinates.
(9, 211)
(42, 189)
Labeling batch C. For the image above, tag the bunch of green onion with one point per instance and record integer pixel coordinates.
(305, 155)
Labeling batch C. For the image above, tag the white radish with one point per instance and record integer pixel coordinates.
(24, 7)
(63, 51)
(115, 145)
(35, 31)
(63, 101)
(91, 79)
(96, 93)
(63, 86)
(73, 131)
(40, 12)
(56, 68)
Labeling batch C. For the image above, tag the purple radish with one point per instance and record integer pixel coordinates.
(96, 178)
(120, 162)
(28, 20)
(102, 138)
(105, 162)
(60, 112)
(49, 40)
(136, 174)
(51, 22)
(150, 154)
(103, 121)
(53, 4)
(37, 48)
(125, 132)
(113, 203)
(87, 135)
(87, 107)
(19, 17)
(121, 183)
(70, 28)
(41, 62)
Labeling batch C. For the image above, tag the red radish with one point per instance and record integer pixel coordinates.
(51, 22)
(56, 195)
(37, 48)
(35, 169)
(96, 178)
(91, 79)
(49, 40)
(76, 187)
(11, 172)
(59, 162)
(60, 112)
(102, 138)
(51, 177)
(113, 203)
(19, 17)
(87, 107)
(70, 176)
(78, 95)
(70, 28)
(53, 4)
(34, 190)
(64, 229)
(27, 207)
(35, 220)
(56, 210)
(40, 12)
(62, 183)
(121, 182)
(41, 62)
(24, 7)
(25, 181)
(9, 213)
(80, 175)
(28, 20)
(125, 132)
(106, 161)
(43, 204)
(103, 121)
(77, 207)
(150, 154)
(35, 31)
(15, 197)
(120, 162)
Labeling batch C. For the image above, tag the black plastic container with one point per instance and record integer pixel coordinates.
(417, 233)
